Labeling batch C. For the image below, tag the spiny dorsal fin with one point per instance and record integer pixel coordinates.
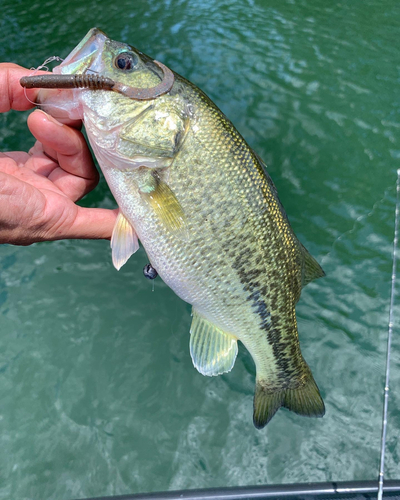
(311, 269)
(124, 241)
(213, 351)
(305, 400)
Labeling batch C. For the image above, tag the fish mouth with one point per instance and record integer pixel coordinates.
(85, 55)
(83, 68)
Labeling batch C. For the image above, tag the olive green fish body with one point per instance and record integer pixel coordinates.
(207, 213)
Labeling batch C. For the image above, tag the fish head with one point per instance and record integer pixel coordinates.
(98, 55)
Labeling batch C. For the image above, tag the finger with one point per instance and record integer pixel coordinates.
(67, 142)
(73, 187)
(43, 154)
(12, 95)
(38, 149)
(97, 223)
(20, 157)
(89, 223)
(77, 174)
(28, 172)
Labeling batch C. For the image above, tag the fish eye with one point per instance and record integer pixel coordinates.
(125, 61)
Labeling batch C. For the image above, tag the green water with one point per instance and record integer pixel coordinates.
(98, 395)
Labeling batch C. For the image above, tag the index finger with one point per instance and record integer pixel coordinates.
(68, 143)
(76, 174)
(12, 95)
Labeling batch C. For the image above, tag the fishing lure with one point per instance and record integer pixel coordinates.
(98, 82)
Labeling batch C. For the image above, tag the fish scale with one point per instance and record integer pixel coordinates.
(209, 217)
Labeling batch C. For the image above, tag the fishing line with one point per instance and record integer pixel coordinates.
(358, 220)
(44, 67)
(47, 61)
(389, 341)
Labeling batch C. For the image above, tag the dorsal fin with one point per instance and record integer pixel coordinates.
(311, 269)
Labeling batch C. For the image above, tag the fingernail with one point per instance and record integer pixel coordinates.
(50, 118)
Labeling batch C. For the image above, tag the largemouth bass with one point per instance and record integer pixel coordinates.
(205, 209)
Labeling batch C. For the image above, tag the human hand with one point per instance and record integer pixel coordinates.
(38, 190)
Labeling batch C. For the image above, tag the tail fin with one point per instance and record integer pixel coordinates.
(305, 400)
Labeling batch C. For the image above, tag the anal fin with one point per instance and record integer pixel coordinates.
(213, 351)
(124, 241)
(304, 400)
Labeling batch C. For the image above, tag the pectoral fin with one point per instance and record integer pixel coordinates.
(124, 241)
(213, 351)
(167, 207)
